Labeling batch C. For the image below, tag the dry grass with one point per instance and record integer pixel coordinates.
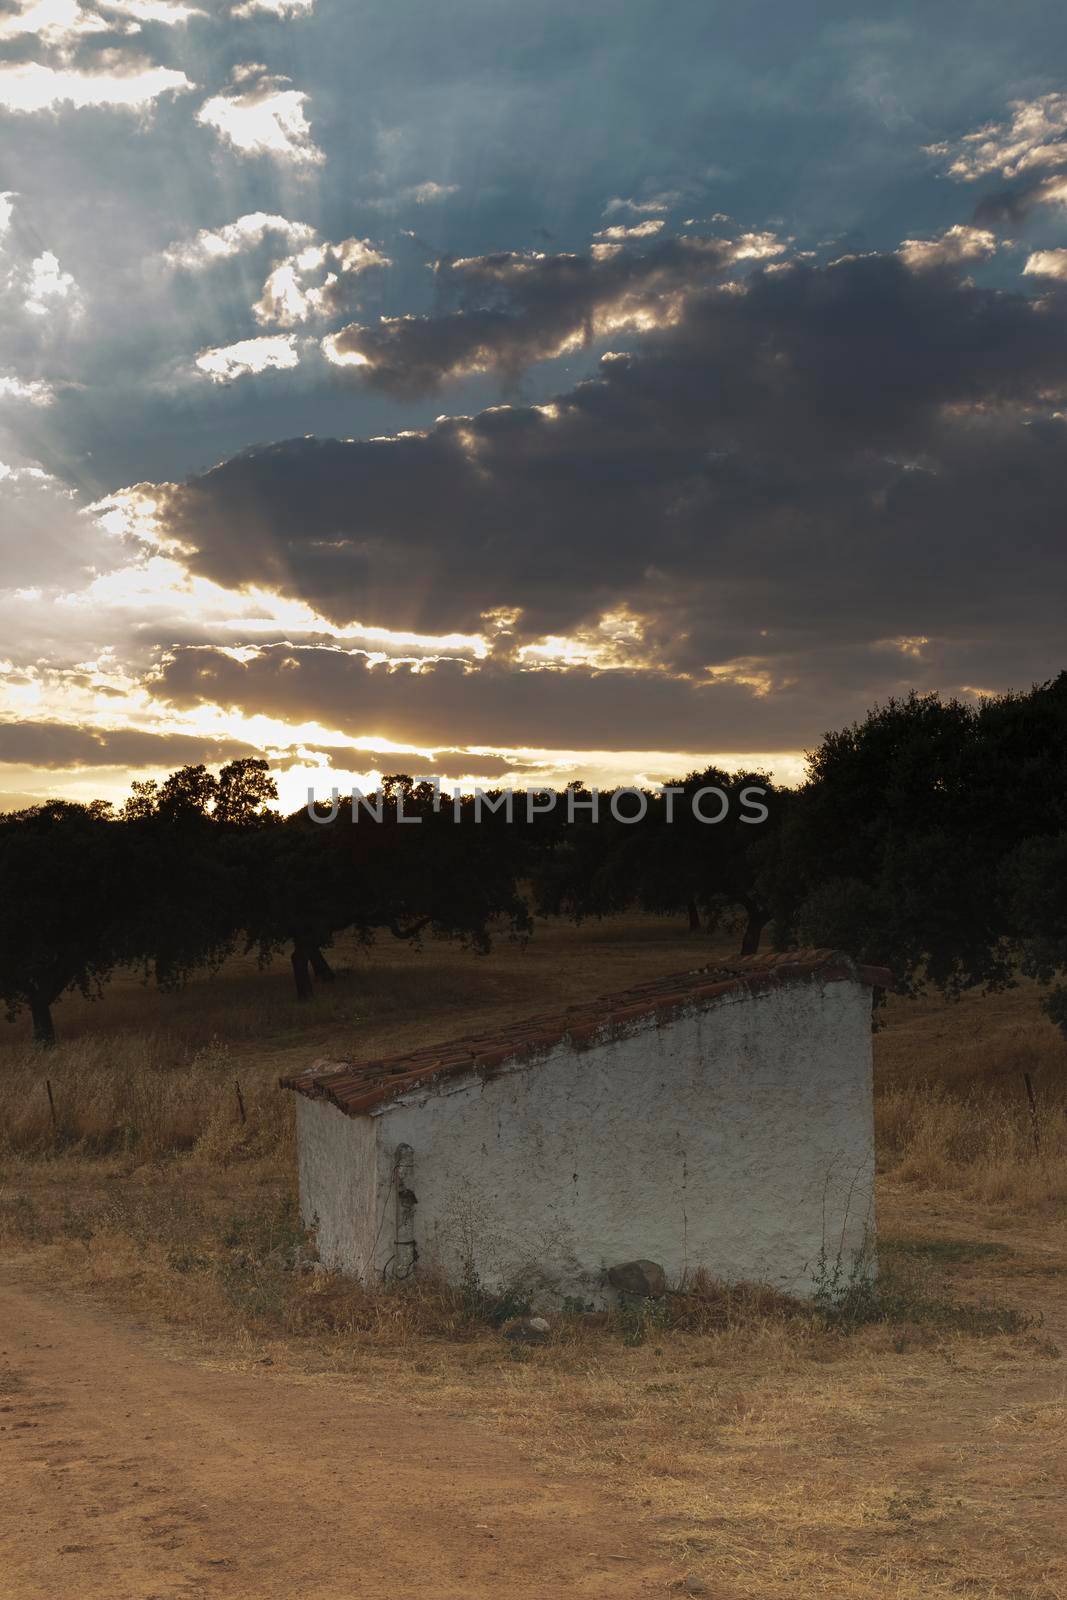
(141, 1095)
(981, 1145)
(386, 990)
(765, 1448)
(953, 1115)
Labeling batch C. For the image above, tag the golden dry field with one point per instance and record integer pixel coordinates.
(734, 1444)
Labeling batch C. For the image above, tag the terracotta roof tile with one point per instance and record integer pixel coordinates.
(356, 1087)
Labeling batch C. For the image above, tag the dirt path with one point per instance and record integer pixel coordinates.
(128, 1474)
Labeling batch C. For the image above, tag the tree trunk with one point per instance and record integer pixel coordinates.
(757, 921)
(44, 1031)
(694, 917)
(300, 960)
(319, 964)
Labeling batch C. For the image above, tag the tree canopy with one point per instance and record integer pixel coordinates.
(931, 837)
(72, 902)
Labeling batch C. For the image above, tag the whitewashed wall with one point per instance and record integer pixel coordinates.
(337, 1158)
(738, 1138)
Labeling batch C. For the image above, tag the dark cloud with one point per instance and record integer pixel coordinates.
(54, 746)
(835, 456)
(535, 121)
(1009, 208)
(62, 744)
(498, 705)
(444, 764)
(515, 309)
(838, 482)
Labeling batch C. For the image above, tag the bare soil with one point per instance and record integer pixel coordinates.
(128, 1472)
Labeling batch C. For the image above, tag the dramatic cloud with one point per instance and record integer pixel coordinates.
(33, 284)
(797, 485)
(318, 281)
(40, 304)
(48, 284)
(444, 764)
(652, 206)
(62, 23)
(274, 8)
(315, 279)
(58, 744)
(769, 707)
(517, 309)
(30, 86)
(223, 365)
(35, 391)
(736, 496)
(47, 20)
(487, 705)
(1010, 207)
(635, 230)
(221, 244)
(9, 474)
(261, 116)
(50, 547)
(1029, 149)
(427, 193)
(1035, 136)
(167, 12)
(956, 246)
(1047, 264)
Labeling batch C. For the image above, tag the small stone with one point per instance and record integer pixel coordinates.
(527, 1330)
(644, 1278)
(691, 1584)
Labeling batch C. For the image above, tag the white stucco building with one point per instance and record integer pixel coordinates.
(719, 1119)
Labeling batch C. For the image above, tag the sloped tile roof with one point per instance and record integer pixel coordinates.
(356, 1087)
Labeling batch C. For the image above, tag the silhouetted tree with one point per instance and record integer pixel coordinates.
(918, 836)
(71, 899)
(701, 851)
(186, 834)
(931, 836)
(1034, 882)
(418, 871)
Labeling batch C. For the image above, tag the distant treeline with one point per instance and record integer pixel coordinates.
(931, 837)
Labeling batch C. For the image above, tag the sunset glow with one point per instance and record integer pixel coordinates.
(336, 433)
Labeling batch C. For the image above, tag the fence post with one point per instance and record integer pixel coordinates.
(1033, 1112)
(240, 1100)
(51, 1107)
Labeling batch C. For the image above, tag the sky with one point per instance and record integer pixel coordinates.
(519, 393)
